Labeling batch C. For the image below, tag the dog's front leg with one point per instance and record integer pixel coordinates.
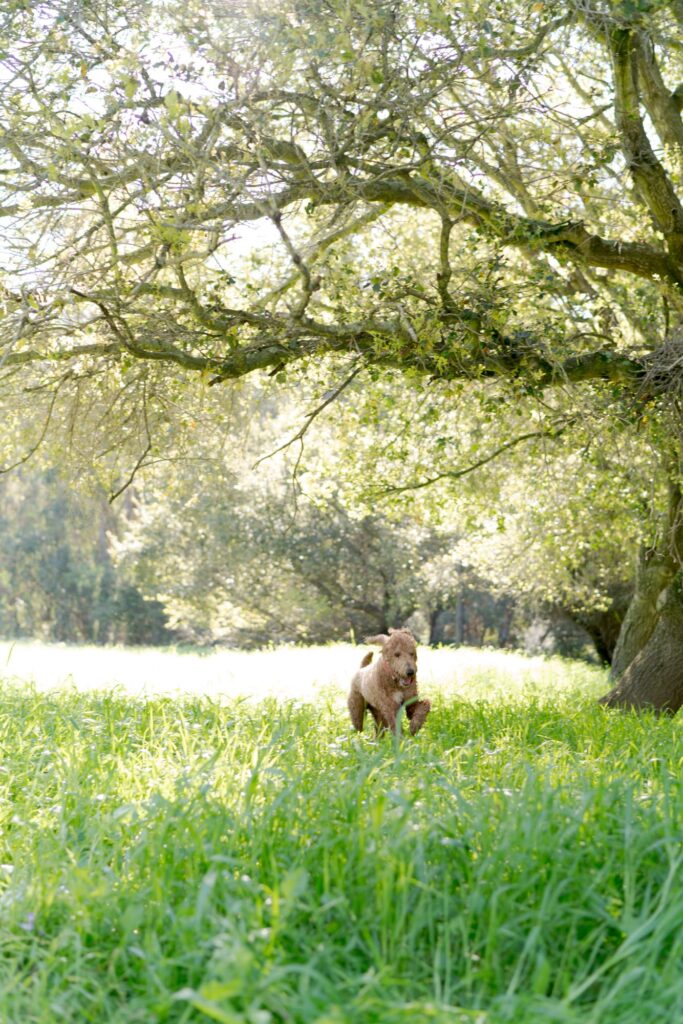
(417, 714)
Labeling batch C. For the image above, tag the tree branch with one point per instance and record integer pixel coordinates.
(43, 433)
(555, 430)
(660, 102)
(330, 397)
(648, 174)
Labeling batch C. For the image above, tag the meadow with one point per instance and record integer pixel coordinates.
(192, 839)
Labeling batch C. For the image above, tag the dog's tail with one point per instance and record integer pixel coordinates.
(366, 660)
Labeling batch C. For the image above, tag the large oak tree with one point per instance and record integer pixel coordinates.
(458, 191)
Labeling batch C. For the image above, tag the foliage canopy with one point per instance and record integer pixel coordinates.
(463, 191)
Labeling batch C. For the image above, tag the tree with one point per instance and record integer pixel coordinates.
(235, 560)
(480, 194)
(57, 578)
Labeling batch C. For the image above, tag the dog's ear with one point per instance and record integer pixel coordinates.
(380, 639)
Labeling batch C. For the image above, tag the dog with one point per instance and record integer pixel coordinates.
(387, 685)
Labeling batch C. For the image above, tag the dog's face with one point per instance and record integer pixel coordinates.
(400, 653)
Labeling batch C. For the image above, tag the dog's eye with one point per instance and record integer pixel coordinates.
(398, 654)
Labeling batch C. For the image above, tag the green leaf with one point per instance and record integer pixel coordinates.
(172, 102)
(217, 990)
(207, 1006)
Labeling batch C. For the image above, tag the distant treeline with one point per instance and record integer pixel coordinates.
(57, 578)
(75, 569)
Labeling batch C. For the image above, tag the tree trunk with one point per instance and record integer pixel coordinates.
(603, 626)
(654, 678)
(459, 635)
(505, 624)
(648, 660)
(653, 575)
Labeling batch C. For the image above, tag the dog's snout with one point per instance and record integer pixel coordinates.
(410, 672)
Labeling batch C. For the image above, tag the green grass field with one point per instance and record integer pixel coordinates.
(247, 859)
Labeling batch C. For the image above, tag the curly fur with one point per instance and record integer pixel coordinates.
(385, 686)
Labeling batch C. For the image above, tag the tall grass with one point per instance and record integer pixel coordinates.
(196, 859)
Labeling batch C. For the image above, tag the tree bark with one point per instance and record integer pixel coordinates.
(648, 660)
(459, 636)
(653, 575)
(603, 626)
(654, 679)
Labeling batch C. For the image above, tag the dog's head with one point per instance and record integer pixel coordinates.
(400, 654)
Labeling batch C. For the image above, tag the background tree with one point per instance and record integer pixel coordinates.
(57, 578)
(488, 194)
(238, 561)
